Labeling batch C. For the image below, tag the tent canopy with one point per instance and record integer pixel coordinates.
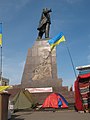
(82, 91)
(23, 100)
(55, 100)
(2, 88)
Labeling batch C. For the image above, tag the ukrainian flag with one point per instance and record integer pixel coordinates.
(56, 40)
(0, 34)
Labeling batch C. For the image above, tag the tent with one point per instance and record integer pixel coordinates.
(23, 100)
(55, 100)
(3, 88)
(82, 92)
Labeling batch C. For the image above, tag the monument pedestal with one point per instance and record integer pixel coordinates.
(40, 68)
(41, 71)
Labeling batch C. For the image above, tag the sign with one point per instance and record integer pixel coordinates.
(39, 90)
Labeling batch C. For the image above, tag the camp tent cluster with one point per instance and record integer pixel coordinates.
(25, 100)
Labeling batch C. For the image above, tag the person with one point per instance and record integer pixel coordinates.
(71, 88)
(44, 24)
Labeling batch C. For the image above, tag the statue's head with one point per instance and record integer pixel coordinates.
(47, 10)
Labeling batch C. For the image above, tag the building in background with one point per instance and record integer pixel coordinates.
(5, 81)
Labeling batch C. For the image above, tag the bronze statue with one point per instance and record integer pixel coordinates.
(44, 24)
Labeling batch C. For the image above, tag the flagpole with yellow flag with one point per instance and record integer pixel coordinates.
(1, 53)
(56, 41)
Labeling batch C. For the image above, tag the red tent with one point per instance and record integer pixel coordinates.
(82, 91)
(55, 100)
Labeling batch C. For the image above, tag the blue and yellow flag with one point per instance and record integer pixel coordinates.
(0, 34)
(56, 40)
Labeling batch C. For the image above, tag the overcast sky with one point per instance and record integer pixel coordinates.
(20, 20)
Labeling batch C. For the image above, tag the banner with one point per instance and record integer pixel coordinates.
(39, 90)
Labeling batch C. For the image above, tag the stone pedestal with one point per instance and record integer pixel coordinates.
(40, 71)
(40, 68)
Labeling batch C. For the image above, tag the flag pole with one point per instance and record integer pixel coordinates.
(71, 60)
(1, 69)
(1, 54)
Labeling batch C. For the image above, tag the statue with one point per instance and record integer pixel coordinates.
(44, 24)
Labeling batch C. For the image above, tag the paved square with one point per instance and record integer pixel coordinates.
(50, 115)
